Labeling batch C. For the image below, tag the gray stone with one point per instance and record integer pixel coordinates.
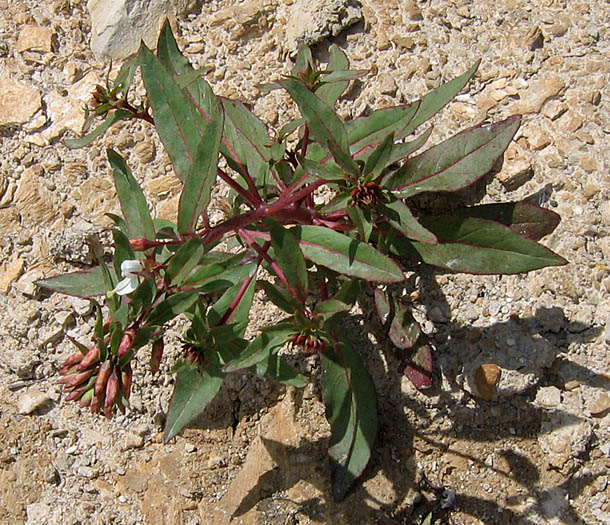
(548, 397)
(30, 400)
(313, 20)
(118, 26)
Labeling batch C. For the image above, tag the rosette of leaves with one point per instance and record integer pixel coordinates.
(321, 257)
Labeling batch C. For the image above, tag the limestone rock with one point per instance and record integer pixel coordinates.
(601, 405)
(486, 378)
(10, 273)
(34, 38)
(18, 102)
(563, 437)
(31, 400)
(312, 21)
(548, 397)
(66, 112)
(538, 93)
(33, 200)
(118, 26)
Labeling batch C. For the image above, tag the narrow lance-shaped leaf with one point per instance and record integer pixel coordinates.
(477, 246)
(331, 92)
(351, 410)
(456, 163)
(523, 218)
(177, 120)
(324, 125)
(133, 202)
(171, 307)
(345, 255)
(288, 255)
(379, 157)
(184, 261)
(276, 368)
(87, 283)
(196, 192)
(113, 118)
(193, 391)
(400, 217)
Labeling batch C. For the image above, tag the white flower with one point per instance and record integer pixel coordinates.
(129, 270)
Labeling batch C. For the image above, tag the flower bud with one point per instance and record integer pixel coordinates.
(74, 359)
(140, 245)
(126, 342)
(72, 380)
(156, 355)
(112, 391)
(126, 377)
(96, 402)
(102, 377)
(92, 356)
(86, 398)
(76, 393)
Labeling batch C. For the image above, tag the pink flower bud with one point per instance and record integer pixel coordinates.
(102, 377)
(139, 245)
(72, 380)
(92, 356)
(126, 377)
(112, 391)
(156, 355)
(126, 342)
(76, 393)
(96, 402)
(74, 359)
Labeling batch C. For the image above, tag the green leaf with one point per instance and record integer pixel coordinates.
(123, 80)
(238, 310)
(171, 307)
(276, 368)
(324, 125)
(402, 120)
(351, 410)
(400, 217)
(133, 202)
(113, 118)
(362, 221)
(184, 261)
(331, 91)
(193, 391)
(523, 218)
(401, 151)
(477, 246)
(86, 283)
(280, 297)
(217, 276)
(177, 119)
(122, 250)
(379, 157)
(303, 62)
(456, 163)
(344, 255)
(270, 341)
(197, 189)
(287, 254)
(330, 308)
(325, 171)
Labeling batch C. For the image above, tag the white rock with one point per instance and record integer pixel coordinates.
(30, 400)
(313, 20)
(548, 397)
(118, 26)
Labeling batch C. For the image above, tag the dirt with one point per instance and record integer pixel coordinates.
(531, 447)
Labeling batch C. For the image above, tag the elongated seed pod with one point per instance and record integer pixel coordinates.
(86, 398)
(102, 377)
(72, 380)
(126, 377)
(126, 342)
(92, 356)
(74, 359)
(112, 391)
(156, 355)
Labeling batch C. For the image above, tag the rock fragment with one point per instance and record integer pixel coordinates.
(118, 26)
(10, 273)
(600, 405)
(18, 102)
(34, 38)
(486, 379)
(538, 93)
(31, 400)
(313, 20)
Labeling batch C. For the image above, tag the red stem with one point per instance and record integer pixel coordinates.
(254, 200)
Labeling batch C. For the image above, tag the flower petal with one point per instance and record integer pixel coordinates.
(130, 266)
(127, 285)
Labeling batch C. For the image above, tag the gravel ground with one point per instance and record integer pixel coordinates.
(533, 448)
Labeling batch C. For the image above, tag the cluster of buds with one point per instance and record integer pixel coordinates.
(310, 343)
(99, 385)
(193, 355)
(366, 194)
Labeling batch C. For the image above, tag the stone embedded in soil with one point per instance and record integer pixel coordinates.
(18, 102)
(118, 26)
(10, 273)
(538, 93)
(33, 200)
(311, 21)
(34, 38)
(31, 400)
(486, 379)
(563, 437)
(600, 405)
(548, 397)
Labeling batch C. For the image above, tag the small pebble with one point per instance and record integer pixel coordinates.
(30, 400)
(189, 447)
